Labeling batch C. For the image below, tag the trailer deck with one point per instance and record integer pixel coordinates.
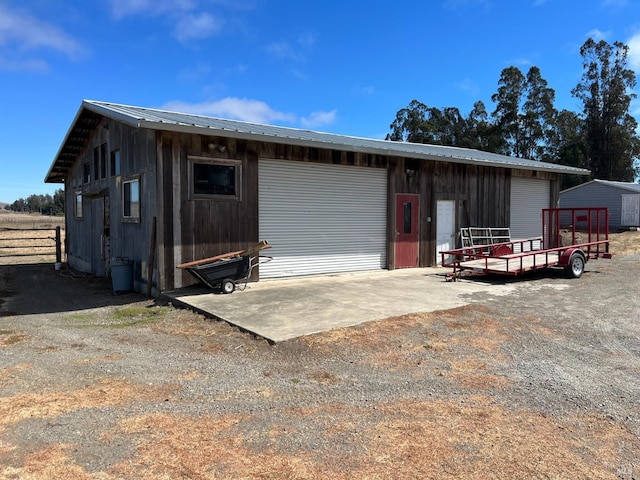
(571, 237)
(512, 264)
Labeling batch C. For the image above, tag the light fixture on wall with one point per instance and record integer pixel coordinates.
(409, 172)
(218, 147)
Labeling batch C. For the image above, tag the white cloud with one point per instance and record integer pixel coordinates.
(284, 51)
(295, 52)
(21, 31)
(307, 40)
(197, 26)
(245, 109)
(23, 65)
(317, 119)
(634, 52)
(190, 21)
(469, 86)
(364, 90)
(250, 110)
(125, 8)
(597, 34)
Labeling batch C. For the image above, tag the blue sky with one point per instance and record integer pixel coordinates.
(339, 66)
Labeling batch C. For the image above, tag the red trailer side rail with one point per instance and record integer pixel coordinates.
(570, 237)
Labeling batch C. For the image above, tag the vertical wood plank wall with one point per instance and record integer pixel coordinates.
(212, 227)
(190, 229)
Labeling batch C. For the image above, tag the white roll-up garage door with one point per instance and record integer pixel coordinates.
(528, 197)
(321, 218)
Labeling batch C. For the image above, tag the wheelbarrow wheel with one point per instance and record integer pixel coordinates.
(228, 286)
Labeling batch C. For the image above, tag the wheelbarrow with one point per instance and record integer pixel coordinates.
(227, 271)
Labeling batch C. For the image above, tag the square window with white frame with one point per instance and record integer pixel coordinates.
(131, 200)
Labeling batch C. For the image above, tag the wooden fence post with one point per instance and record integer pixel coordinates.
(152, 256)
(58, 245)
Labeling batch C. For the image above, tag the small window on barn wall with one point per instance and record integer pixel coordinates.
(78, 205)
(214, 179)
(86, 173)
(103, 160)
(131, 200)
(96, 163)
(115, 163)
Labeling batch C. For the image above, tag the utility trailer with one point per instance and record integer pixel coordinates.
(570, 237)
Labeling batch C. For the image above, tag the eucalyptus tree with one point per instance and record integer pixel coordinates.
(606, 91)
(479, 133)
(412, 124)
(568, 145)
(524, 114)
(539, 117)
(418, 123)
(508, 98)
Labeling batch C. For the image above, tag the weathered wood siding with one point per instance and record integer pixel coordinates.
(90, 242)
(481, 195)
(191, 229)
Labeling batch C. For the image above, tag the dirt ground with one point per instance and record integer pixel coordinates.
(541, 383)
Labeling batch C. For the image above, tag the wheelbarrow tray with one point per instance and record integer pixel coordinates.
(214, 273)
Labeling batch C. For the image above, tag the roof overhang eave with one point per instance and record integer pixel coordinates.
(301, 142)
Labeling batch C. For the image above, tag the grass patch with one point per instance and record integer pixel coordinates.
(134, 316)
(121, 317)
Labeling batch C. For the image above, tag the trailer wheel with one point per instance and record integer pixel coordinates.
(228, 286)
(575, 268)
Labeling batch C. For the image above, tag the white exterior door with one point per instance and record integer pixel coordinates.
(321, 218)
(445, 227)
(630, 211)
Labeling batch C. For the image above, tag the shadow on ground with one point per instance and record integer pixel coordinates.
(547, 273)
(38, 288)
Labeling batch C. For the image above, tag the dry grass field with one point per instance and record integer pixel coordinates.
(28, 238)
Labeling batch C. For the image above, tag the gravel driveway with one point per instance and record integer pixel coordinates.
(540, 382)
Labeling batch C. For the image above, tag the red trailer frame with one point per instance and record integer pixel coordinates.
(570, 237)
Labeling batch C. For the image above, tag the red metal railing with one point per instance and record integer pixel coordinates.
(587, 227)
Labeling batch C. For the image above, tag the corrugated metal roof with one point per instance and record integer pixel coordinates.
(174, 121)
(632, 187)
(635, 187)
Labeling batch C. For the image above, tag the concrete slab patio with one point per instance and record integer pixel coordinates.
(279, 310)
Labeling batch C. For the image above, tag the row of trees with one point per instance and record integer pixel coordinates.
(44, 204)
(525, 123)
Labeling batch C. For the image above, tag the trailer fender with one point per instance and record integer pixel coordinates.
(565, 257)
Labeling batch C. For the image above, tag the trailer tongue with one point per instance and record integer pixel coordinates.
(570, 237)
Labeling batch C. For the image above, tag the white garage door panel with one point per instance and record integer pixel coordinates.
(528, 197)
(321, 218)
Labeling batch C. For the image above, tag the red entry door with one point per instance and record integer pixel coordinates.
(407, 221)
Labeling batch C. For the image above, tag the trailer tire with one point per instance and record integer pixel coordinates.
(228, 286)
(575, 267)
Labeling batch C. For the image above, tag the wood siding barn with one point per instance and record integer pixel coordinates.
(165, 188)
